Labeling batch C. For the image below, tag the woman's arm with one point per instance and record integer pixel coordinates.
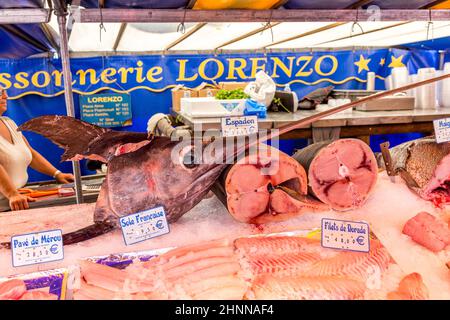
(39, 163)
(17, 201)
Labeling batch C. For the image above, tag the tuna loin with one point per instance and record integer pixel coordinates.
(341, 173)
(265, 186)
(428, 164)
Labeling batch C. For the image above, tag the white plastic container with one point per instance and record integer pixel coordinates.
(389, 82)
(413, 79)
(210, 107)
(370, 81)
(444, 90)
(426, 95)
(400, 77)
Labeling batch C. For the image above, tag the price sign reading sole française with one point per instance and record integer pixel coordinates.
(345, 235)
(141, 226)
(36, 248)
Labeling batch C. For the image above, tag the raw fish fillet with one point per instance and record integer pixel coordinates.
(428, 231)
(190, 272)
(12, 289)
(263, 267)
(277, 245)
(269, 287)
(410, 287)
(90, 292)
(341, 174)
(279, 264)
(357, 265)
(38, 295)
(113, 279)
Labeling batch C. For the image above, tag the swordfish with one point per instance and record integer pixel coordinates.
(142, 171)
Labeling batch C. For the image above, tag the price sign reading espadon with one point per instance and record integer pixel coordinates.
(239, 126)
(141, 226)
(345, 235)
(34, 248)
(442, 130)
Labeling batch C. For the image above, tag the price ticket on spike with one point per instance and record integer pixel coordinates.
(36, 248)
(141, 226)
(345, 235)
(442, 130)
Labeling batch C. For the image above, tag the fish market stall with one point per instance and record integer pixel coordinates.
(200, 200)
(354, 124)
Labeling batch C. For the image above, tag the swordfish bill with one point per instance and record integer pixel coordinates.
(142, 171)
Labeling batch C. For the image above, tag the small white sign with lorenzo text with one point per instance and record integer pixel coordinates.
(442, 130)
(345, 235)
(239, 126)
(141, 226)
(33, 248)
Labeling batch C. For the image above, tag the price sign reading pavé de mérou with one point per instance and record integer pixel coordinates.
(345, 235)
(36, 248)
(106, 110)
(141, 226)
(442, 130)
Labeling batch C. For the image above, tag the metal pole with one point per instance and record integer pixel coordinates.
(68, 95)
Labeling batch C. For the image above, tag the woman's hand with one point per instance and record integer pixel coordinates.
(64, 178)
(20, 202)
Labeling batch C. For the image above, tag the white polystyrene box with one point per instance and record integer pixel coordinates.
(211, 107)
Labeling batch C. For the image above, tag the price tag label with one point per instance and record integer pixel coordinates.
(442, 130)
(239, 126)
(34, 248)
(141, 226)
(345, 235)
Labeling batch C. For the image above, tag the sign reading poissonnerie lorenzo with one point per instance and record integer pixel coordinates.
(106, 110)
(239, 126)
(141, 226)
(36, 248)
(345, 235)
(442, 130)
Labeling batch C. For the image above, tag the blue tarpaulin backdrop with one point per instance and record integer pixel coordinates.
(35, 85)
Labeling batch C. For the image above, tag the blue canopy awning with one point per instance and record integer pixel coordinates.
(12, 4)
(435, 44)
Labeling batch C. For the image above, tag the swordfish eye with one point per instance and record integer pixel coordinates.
(187, 157)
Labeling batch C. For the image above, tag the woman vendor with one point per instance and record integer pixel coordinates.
(16, 155)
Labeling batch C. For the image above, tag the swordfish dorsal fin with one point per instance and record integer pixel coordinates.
(80, 139)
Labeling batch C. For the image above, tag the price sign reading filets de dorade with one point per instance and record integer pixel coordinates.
(239, 126)
(442, 130)
(345, 235)
(141, 226)
(36, 248)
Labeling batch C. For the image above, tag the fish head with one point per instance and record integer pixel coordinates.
(164, 173)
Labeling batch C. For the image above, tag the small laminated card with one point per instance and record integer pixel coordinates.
(345, 235)
(33, 248)
(141, 226)
(239, 126)
(442, 130)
